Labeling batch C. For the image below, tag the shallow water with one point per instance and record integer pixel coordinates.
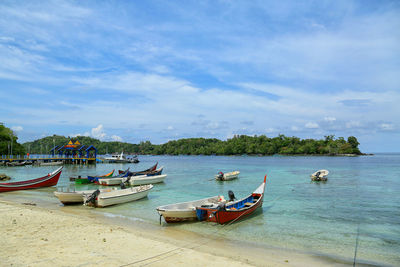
(361, 198)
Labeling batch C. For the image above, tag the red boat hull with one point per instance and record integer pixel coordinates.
(234, 211)
(45, 181)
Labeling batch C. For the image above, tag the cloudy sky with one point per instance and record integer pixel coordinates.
(163, 70)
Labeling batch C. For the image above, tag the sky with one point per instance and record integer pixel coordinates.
(133, 71)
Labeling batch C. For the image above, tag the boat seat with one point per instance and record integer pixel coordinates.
(248, 204)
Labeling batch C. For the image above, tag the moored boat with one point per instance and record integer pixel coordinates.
(227, 176)
(95, 179)
(118, 196)
(45, 181)
(85, 180)
(149, 170)
(321, 175)
(50, 163)
(185, 211)
(234, 210)
(133, 180)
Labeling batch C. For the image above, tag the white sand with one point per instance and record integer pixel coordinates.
(34, 236)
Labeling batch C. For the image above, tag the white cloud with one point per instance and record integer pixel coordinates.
(311, 125)
(353, 124)
(170, 128)
(17, 128)
(98, 132)
(116, 138)
(330, 119)
(387, 126)
(295, 128)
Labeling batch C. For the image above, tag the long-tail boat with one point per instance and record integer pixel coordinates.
(149, 170)
(85, 180)
(45, 181)
(95, 179)
(234, 210)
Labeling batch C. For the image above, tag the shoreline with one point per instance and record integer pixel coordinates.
(70, 238)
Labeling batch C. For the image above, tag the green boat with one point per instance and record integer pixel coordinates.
(85, 180)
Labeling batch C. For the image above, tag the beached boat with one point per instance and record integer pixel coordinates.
(149, 170)
(45, 181)
(75, 197)
(185, 211)
(118, 196)
(234, 210)
(227, 176)
(133, 180)
(321, 175)
(85, 180)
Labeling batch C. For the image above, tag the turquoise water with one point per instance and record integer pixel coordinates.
(361, 198)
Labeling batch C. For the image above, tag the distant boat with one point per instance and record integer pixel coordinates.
(50, 163)
(119, 196)
(227, 176)
(234, 210)
(45, 181)
(120, 158)
(185, 211)
(321, 175)
(16, 163)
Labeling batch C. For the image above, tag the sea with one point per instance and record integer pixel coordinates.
(352, 217)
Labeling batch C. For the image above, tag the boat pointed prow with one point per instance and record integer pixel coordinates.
(265, 179)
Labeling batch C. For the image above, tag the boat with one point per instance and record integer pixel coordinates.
(119, 158)
(45, 181)
(50, 163)
(75, 197)
(15, 163)
(85, 180)
(185, 211)
(227, 176)
(146, 179)
(118, 196)
(233, 210)
(149, 170)
(95, 179)
(133, 180)
(321, 175)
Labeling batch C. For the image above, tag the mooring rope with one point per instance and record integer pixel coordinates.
(356, 248)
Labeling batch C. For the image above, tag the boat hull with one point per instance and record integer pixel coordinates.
(45, 181)
(128, 195)
(142, 180)
(184, 211)
(228, 176)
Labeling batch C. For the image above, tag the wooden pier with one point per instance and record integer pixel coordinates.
(47, 159)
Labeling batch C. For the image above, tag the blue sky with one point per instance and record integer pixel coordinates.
(163, 70)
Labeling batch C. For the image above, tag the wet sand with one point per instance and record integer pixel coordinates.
(37, 236)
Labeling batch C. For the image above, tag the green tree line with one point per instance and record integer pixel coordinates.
(238, 145)
(8, 142)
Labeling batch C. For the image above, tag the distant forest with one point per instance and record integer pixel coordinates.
(8, 142)
(238, 145)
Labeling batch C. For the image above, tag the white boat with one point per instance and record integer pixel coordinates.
(118, 196)
(51, 163)
(186, 211)
(134, 180)
(141, 180)
(321, 175)
(118, 158)
(75, 197)
(227, 176)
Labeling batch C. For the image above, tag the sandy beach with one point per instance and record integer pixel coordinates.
(36, 236)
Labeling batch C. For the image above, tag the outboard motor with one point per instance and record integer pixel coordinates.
(92, 197)
(317, 174)
(231, 196)
(220, 175)
(124, 184)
